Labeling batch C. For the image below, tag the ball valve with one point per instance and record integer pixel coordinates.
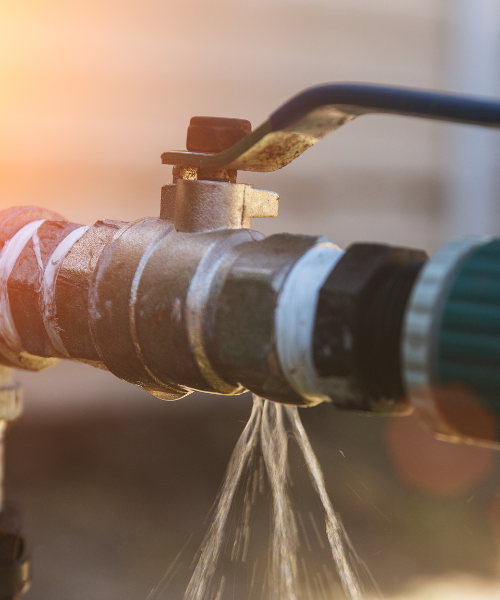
(197, 300)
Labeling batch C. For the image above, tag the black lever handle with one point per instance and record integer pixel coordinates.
(314, 113)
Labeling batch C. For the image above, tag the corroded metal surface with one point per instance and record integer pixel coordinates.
(265, 150)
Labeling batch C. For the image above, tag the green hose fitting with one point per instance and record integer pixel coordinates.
(451, 341)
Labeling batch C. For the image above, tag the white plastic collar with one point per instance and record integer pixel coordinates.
(295, 317)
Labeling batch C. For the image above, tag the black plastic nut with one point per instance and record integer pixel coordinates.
(215, 134)
(358, 323)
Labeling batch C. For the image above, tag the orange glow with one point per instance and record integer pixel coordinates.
(436, 467)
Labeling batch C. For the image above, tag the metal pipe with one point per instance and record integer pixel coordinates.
(169, 311)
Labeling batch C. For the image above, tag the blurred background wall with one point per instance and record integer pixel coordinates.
(91, 93)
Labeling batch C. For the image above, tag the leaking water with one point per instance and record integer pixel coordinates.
(212, 544)
(337, 537)
(274, 442)
(287, 576)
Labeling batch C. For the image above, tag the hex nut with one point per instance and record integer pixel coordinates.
(358, 321)
(215, 134)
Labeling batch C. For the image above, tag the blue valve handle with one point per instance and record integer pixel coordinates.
(314, 113)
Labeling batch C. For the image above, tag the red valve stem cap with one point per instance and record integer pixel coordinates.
(215, 134)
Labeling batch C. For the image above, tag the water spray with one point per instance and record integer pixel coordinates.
(195, 300)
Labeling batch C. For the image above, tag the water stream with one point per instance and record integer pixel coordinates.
(337, 537)
(266, 432)
(212, 544)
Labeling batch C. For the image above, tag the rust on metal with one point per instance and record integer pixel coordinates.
(265, 149)
(184, 172)
(274, 151)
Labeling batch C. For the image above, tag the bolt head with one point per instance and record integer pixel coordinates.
(215, 134)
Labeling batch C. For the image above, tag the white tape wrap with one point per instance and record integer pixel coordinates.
(49, 287)
(295, 317)
(8, 258)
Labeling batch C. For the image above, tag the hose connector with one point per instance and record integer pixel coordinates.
(451, 341)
